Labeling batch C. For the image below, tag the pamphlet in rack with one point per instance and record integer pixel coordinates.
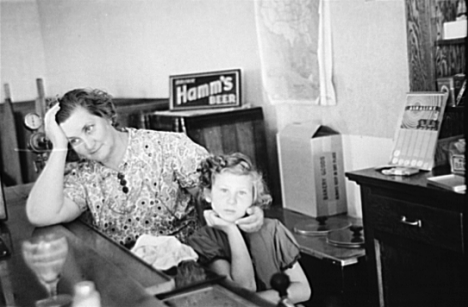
(417, 134)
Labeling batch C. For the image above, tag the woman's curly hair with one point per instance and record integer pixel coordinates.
(95, 101)
(239, 164)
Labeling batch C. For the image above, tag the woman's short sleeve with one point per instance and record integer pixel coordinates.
(74, 190)
(188, 156)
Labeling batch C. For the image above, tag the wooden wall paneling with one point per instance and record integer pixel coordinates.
(197, 135)
(421, 34)
(447, 11)
(132, 112)
(245, 135)
(261, 150)
(162, 123)
(137, 120)
(229, 138)
(428, 60)
(450, 59)
(213, 139)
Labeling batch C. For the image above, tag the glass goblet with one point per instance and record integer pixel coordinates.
(45, 256)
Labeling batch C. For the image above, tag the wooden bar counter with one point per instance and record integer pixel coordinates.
(86, 260)
(120, 277)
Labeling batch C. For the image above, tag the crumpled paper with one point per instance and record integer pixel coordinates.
(162, 252)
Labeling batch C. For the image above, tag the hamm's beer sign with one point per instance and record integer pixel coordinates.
(205, 90)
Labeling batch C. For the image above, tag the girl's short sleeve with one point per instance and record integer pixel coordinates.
(287, 251)
(210, 245)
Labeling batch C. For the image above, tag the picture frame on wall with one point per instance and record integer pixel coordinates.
(206, 90)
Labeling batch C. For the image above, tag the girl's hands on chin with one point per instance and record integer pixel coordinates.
(214, 220)
(53, 131)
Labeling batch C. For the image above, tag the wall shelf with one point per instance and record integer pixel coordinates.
(455, 41)
(455, 109)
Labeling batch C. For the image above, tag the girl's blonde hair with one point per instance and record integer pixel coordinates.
(239, 164)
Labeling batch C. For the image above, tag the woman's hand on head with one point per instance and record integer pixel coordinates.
(253, 221)
(53, 131)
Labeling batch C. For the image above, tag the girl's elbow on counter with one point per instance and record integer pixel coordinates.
(304, 293)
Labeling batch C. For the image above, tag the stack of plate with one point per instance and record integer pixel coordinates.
(350, 237)
(338, 232)
(320, 226)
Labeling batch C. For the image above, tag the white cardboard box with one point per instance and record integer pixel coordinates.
(311, 169)
(455, 29)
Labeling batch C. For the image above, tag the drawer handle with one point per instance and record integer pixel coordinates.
(417, 223)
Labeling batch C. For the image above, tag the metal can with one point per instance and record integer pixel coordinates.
(457, 157)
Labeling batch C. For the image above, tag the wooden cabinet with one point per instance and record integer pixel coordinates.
(219, 131)
(415, 240)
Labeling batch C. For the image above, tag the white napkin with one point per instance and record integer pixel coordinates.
(163, 252)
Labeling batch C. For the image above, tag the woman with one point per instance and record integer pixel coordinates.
(133, 181)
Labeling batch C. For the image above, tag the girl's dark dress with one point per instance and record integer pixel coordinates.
(272, 249)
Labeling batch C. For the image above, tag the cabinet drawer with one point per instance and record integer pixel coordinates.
(428, 225)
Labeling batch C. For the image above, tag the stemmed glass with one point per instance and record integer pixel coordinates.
(45, 255)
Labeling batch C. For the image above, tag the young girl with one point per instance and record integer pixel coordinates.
(232, 185)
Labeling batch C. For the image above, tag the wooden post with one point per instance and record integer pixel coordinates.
(40, 101)
(9, 143)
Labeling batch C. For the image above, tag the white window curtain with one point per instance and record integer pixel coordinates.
(325, 53)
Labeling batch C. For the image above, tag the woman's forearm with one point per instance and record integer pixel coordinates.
(45, 200)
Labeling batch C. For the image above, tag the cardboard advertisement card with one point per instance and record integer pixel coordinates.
(418, 130)
(206, 90)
